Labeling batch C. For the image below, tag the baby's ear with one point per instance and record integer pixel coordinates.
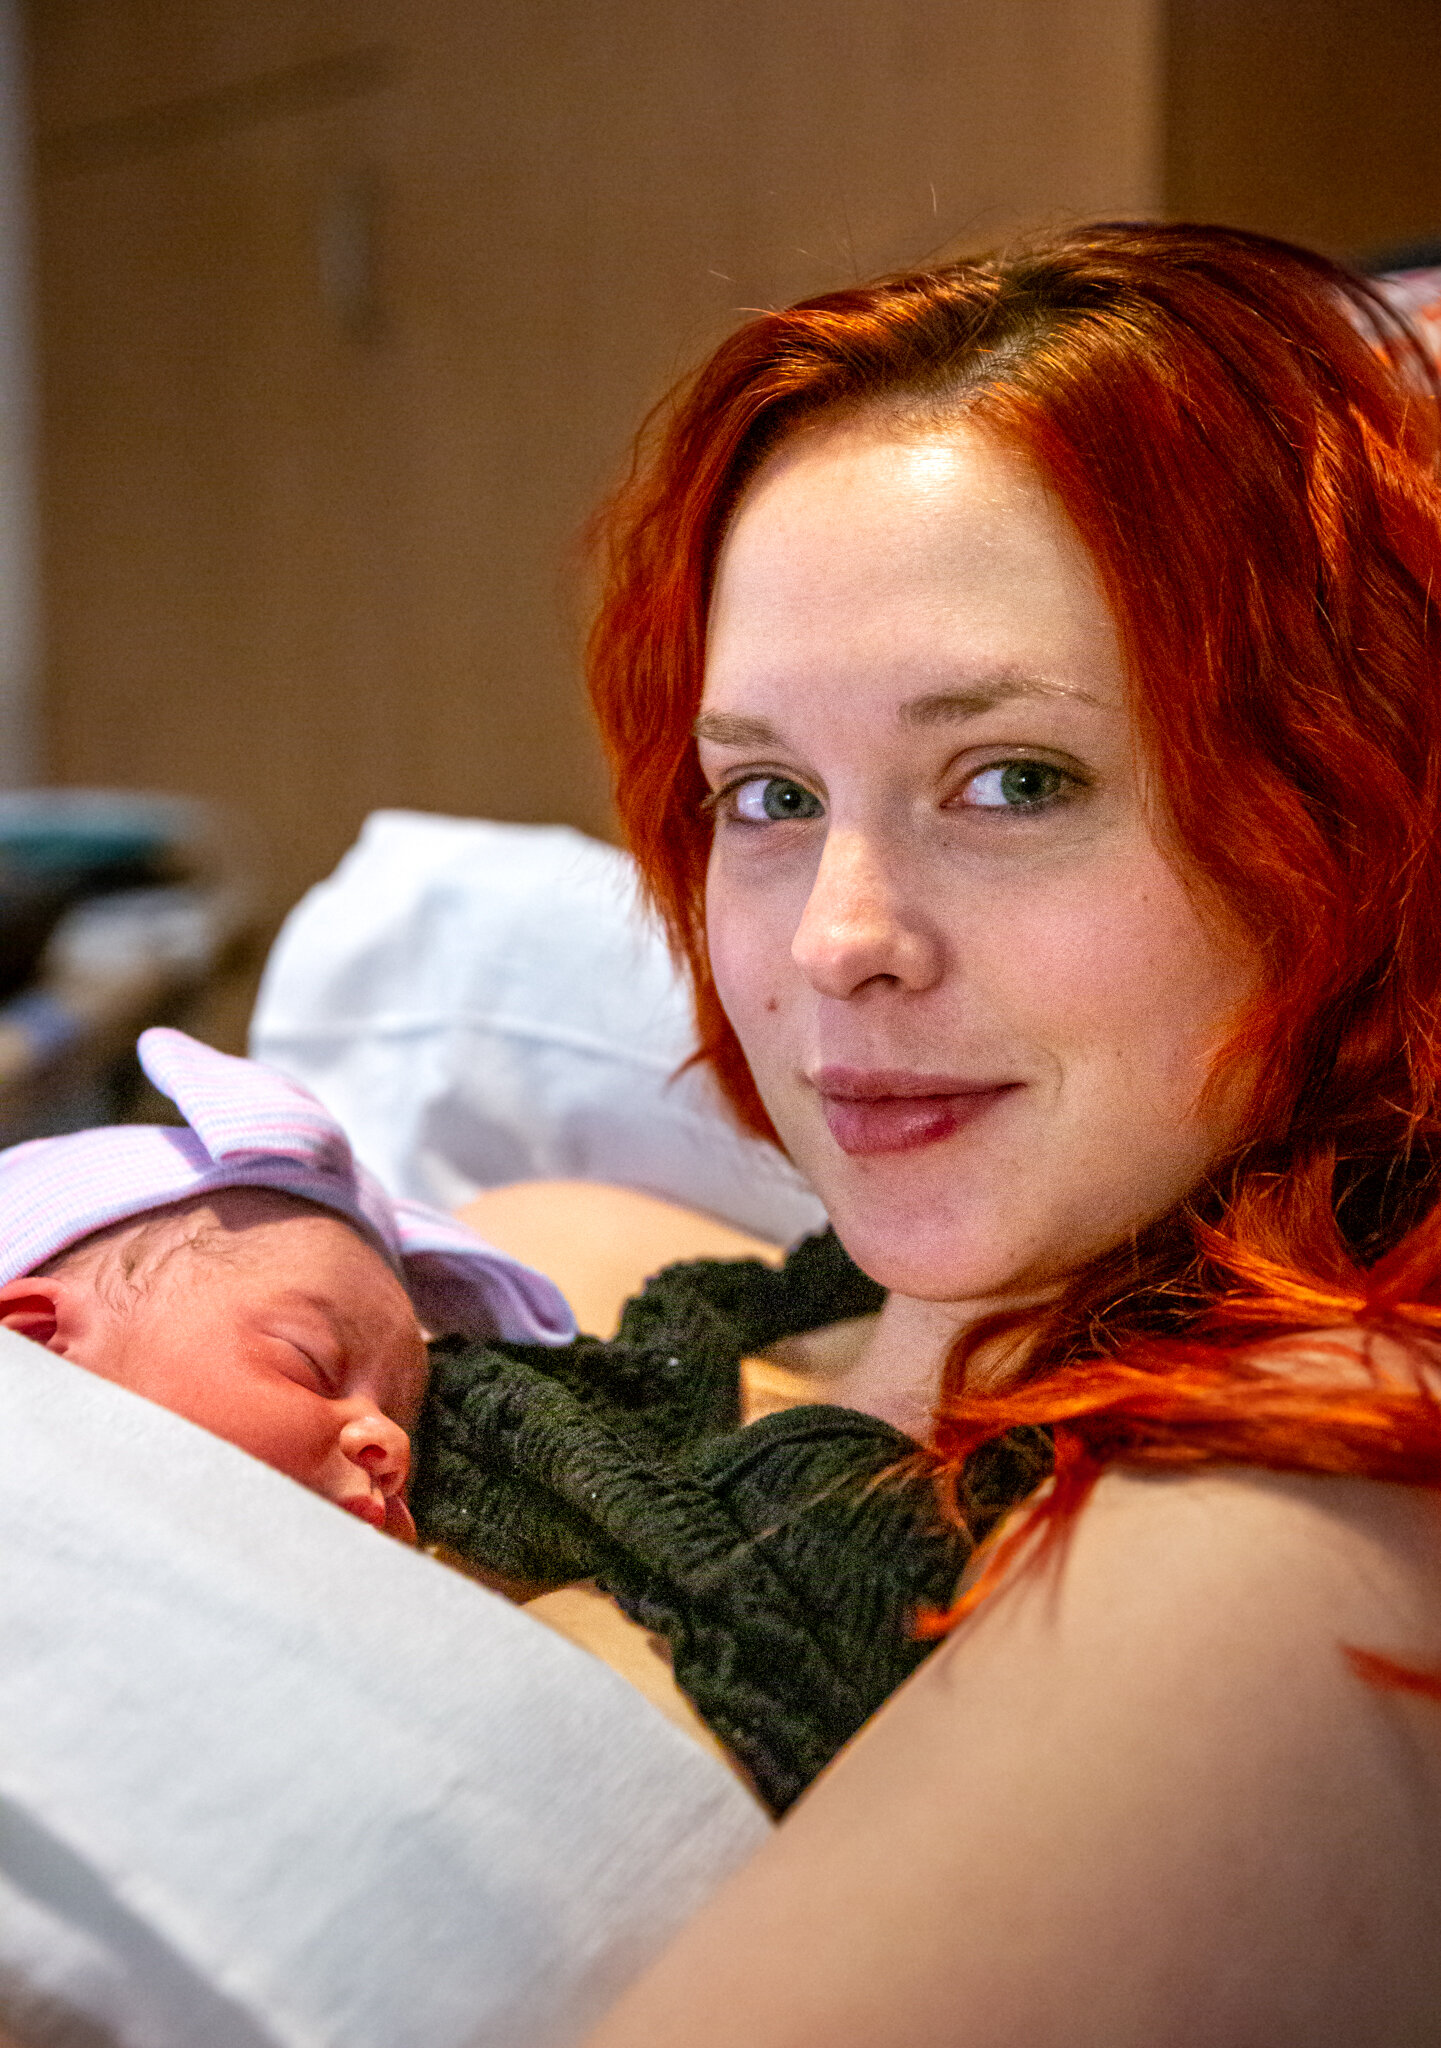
(34, 1308)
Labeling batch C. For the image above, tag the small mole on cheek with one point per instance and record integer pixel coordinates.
(773, 1002)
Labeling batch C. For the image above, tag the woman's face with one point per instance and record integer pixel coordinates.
(978, 999)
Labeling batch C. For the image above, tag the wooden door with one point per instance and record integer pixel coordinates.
(349, 310)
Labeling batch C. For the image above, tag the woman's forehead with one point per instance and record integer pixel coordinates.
(930, 565)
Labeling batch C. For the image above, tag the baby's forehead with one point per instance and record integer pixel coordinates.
(248, 1229)
(244, 1216)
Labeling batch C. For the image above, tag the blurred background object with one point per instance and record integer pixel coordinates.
(347, 313)
(338, 316)
(20, 754)
(116, 911)
(480, 1003)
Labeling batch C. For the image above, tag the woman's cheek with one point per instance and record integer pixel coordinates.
(1131, 993)
(750, 924)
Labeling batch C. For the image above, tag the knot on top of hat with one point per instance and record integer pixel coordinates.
(239, 1110)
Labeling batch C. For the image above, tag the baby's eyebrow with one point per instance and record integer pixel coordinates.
(320, 1312)
(295, 1296)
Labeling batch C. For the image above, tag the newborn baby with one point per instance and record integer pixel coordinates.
(245, 1272)
(259, 1317)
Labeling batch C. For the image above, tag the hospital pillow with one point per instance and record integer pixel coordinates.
(269, 1780)
(480, 1003)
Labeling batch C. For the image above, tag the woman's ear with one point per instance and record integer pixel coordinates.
(36, 1308)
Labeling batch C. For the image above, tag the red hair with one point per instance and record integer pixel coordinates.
(1247, 440)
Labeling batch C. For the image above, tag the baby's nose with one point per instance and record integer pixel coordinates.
(380, 1447)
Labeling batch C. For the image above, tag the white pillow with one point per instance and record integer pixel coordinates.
(480, 1003)
(266, 1777)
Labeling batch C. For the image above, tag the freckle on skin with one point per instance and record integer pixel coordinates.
(773, 1002)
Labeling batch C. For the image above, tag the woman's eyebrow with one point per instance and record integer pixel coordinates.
(945, 707)
(729, 729)
(937, 707)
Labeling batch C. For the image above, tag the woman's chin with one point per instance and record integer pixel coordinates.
(940, 1261)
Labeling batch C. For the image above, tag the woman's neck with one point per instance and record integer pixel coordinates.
(888, 1365)
(896, 1372)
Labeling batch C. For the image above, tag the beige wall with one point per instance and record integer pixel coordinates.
(18, 650)
(1312, 119)
(347, 312)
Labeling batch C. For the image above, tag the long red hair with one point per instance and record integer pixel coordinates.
(1247, 439)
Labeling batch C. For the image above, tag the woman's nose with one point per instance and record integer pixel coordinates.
(858, 926)
(380, 1447)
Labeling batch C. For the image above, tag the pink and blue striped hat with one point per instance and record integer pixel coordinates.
(247, 1126)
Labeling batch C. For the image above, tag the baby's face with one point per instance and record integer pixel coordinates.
(269, 1322)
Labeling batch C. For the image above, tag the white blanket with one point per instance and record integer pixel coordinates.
(479, 1003)
(268, 1778)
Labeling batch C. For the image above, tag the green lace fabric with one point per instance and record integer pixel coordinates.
(784, 1563)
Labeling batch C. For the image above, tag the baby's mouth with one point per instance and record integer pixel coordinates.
(386, 1513)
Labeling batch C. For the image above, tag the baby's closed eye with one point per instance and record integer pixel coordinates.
(307, 1360)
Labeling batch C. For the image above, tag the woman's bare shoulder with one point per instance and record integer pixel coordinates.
(1141, 1796)
(600, 1244)
(1350, 1355)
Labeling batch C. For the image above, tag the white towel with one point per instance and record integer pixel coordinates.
(267, 1777)
(480, 1003)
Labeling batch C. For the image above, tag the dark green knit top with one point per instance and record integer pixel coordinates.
(784, 1562)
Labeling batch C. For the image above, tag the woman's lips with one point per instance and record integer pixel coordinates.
(869, 1112)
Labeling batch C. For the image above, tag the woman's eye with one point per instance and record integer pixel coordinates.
(1015, 786)
(769, 799)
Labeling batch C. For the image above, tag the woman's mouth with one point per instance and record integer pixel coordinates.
(869, 1111)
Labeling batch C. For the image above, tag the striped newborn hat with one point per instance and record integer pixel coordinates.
(248, 1127)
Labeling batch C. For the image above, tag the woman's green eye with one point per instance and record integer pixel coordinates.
(1015, 786)
(769, 799)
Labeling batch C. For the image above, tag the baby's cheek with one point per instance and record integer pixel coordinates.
(289, 1429)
